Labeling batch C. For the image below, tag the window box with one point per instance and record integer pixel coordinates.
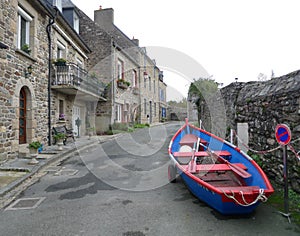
(121, 83)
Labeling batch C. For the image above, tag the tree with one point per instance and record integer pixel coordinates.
(200, 90)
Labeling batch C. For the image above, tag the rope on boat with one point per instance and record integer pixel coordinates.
(261, 196)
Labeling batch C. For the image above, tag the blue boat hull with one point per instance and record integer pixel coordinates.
(215, 200)
(247, 189)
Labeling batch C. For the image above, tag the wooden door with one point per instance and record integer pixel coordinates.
(22, 117)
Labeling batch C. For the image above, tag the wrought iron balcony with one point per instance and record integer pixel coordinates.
(71, 79)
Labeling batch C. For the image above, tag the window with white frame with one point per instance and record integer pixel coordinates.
(118, 117)
(58, 4)
(134, 78)
(61, 50)
(145, 106)
(76, 22)
(79, 62)
(161, 95)
(120, 69)
(24, 20)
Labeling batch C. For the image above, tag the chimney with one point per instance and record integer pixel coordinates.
(104, 18)
(135, 41)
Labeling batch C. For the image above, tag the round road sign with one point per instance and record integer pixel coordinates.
(283, 134)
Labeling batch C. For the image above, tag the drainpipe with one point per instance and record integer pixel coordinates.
(113, 47)
(48, 29)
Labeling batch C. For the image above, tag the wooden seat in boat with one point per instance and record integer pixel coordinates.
(200, 153)
(216, 167)
(190, 140)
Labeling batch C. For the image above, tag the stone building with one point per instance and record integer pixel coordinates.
(132, 78)
(162, 97)
(34, 93)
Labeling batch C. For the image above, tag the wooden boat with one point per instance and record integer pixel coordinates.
(216, 171)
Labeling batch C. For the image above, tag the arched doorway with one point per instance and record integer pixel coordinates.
(22, 116)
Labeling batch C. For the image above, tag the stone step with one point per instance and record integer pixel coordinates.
(24, 151)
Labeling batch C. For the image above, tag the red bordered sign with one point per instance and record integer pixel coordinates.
(283, 134)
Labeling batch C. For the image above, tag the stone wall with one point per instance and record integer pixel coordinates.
(263, 105)
(14, 63)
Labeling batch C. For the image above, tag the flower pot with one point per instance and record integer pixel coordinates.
(60, 143)
(33, 154)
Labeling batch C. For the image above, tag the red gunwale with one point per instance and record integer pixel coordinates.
(269, 189)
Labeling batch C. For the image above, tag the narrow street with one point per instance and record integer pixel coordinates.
(120, 188)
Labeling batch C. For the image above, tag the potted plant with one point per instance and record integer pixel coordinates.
(26, 48)
(61, 117)
(60, 137)
(33, 151)
(60, 62)
(123, 84)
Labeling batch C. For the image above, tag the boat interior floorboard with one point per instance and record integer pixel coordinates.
(223, 179)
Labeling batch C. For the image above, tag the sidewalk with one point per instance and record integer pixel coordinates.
(14, 172)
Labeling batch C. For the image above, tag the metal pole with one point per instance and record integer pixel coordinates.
(285, 177)
(286, 187)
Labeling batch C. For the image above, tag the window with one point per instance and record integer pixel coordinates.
(61, 50)
(161, 95)
(61, 107)
(24, 20)
(155, 109)
(58, 4)
(154, 88)
(145, 106)
(134, 79)
(118, 117)
(120, 69)
(76, 23)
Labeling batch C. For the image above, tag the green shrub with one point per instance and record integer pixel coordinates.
(35, 145)
(59, 136)
(119, 126)
(140, 126)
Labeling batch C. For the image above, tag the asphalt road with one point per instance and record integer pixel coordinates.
(120, 188)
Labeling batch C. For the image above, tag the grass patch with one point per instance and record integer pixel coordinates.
(277, 201)
(140, 126)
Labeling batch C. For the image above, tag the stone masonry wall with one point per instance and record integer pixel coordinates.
(263, 105)
(13, 63)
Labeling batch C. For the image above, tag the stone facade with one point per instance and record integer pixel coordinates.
(24, 75)
(14, 76)
(261, 106)
(116, 58)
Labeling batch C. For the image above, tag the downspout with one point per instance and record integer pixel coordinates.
(48, 29)
(113, 46)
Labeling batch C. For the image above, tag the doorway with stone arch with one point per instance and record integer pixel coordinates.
(25, 116)
(22, 116)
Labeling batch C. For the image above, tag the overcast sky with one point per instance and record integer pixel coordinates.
(228, 38)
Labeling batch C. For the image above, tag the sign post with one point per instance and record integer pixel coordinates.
(283, 137)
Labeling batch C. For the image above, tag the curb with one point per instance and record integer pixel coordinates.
(62, 156)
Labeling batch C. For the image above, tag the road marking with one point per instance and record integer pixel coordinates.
(25, 203)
